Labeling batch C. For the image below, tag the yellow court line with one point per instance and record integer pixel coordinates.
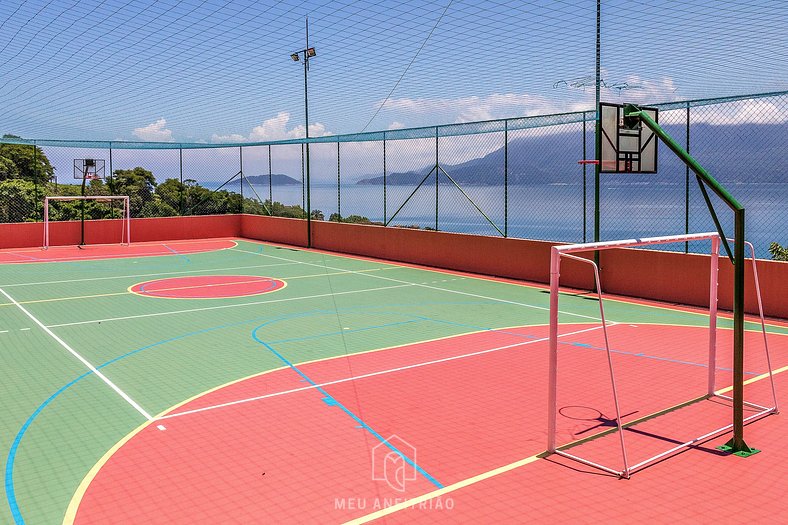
(128, 292)
(84, 484)
(500, 470)
(268, 279)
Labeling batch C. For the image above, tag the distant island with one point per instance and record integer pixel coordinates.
(277, 179)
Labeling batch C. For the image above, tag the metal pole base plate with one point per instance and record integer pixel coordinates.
(742, 451)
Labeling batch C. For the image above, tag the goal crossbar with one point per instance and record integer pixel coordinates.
(557, 252)
(125, 236)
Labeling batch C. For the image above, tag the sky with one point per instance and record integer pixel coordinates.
(219, 71)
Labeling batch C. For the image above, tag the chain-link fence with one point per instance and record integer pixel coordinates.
(510, 178)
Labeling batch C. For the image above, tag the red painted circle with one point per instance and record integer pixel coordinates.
(208, 286)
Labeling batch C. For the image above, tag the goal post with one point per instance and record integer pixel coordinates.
(125, 220)
(568, 251)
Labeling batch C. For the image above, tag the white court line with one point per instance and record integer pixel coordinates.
(144, 275)
(84, 361)
(495, 299)
(371, 374)
(220, 307)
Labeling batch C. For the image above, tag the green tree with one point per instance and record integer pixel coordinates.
(171, 192)
(779, 253)
(157, 208)
(8, 169)
(30, 161)
(138, 183)
(18, 201)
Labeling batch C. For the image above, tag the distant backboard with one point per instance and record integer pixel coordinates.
(88, 169)
(627, 145)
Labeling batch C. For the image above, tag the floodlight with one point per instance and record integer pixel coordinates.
(311, 52)
(294, 56)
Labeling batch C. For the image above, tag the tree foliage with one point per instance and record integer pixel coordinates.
(778, 252)
(25, 173)
(29, 163)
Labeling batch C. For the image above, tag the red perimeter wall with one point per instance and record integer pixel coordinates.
(67, 233)
(663, 276)
(649, 274)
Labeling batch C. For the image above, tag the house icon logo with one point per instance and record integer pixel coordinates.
(394, 461)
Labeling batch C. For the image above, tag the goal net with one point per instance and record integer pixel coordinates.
(123, 232)
(646, 381)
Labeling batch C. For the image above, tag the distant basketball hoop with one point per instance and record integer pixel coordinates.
(89, 169)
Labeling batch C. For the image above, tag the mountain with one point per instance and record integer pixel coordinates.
(731, 153)
(262, 180)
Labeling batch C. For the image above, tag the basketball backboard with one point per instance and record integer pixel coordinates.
(627, 145)
(88, 169)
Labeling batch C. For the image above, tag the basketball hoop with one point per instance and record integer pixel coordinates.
(607, 165)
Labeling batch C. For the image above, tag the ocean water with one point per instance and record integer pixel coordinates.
(556, 211)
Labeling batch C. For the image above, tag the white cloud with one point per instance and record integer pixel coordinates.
(470, 109)
(233, 137)
(155, 131)
(396, 125)
(753, 111)
(638, 90)
(315, 130)
(275, 128)
(512, 105)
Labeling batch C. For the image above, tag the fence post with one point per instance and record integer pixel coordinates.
(686, 181)
(585, 171)
(270, 183)
(339, 187)
(436, 178)
(180, 168)
(303, 183)
(35, 177)
(241, 163)
(506, 178)
(385, 216)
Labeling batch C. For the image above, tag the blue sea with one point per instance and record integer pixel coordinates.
(556, 211)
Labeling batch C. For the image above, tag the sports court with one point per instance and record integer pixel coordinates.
(234, 380)
(420, 261)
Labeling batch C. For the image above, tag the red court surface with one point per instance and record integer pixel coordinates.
(303, 443)
(207, 287)
(112, 251)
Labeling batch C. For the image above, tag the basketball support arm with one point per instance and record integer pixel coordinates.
(736, 444)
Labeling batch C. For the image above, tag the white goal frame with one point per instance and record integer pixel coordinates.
(125, 235)
(557, 252)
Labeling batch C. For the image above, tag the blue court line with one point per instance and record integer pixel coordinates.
(591, 347)
(655, 357)
(343, 332)
(332, 401)
(176, 252)
(25, 256)
(10, 459)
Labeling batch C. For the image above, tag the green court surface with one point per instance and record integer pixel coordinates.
(60, 417)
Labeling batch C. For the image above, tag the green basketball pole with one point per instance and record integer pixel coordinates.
(736, 444)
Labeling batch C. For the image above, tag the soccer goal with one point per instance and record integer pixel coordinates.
(124, 233)
(712, 362)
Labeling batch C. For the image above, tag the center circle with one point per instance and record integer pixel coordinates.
(207, 287)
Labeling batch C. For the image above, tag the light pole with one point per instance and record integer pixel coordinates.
(307, 52)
